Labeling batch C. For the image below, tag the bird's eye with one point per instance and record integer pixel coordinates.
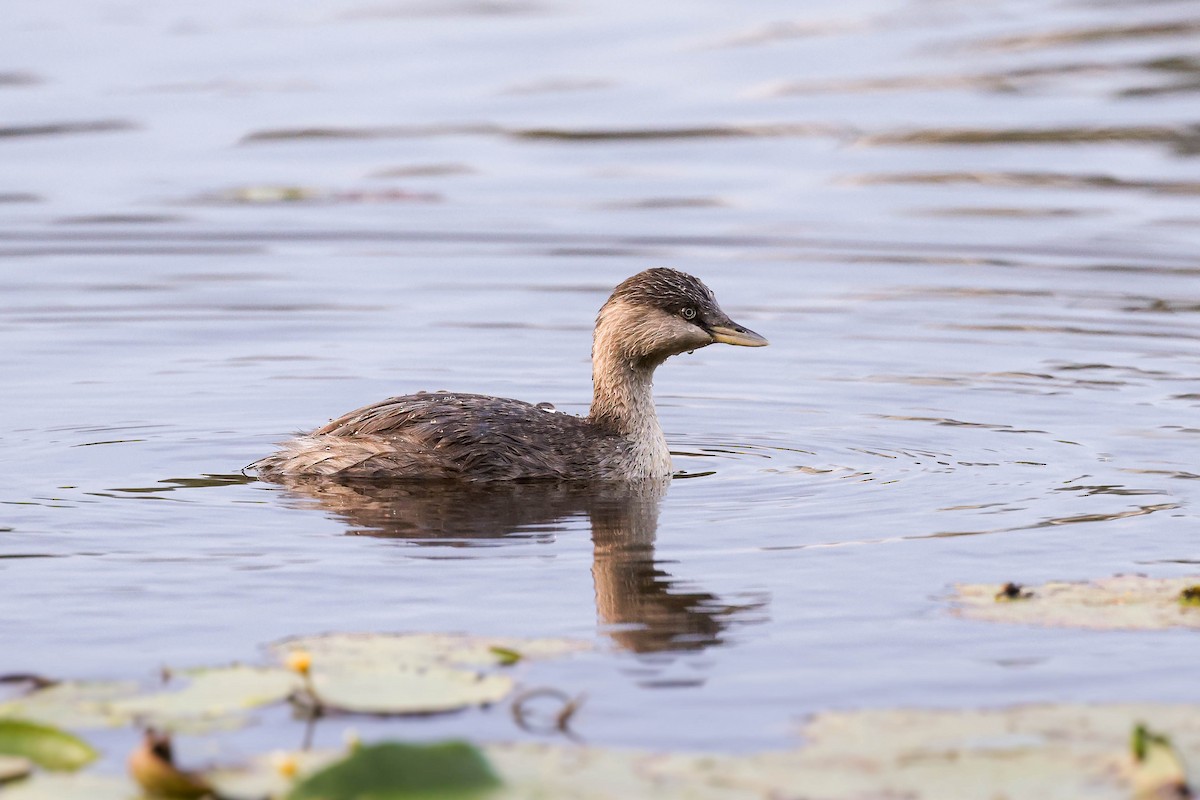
(688, 313)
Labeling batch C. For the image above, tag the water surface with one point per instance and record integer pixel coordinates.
(968, 230)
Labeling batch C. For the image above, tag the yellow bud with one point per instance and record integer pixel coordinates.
(284, 763)
(299, 661)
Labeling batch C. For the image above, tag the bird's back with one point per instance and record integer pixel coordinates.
(450, 436)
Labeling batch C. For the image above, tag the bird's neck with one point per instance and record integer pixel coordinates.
(623, 403)
(622, 393)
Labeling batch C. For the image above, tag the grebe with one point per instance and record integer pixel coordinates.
(452, 436)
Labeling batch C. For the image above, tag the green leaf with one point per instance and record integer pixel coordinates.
(1158, 769)
(394, 771)
(506, 655)
(47, 747)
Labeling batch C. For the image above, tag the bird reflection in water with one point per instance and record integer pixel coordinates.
(640, 606)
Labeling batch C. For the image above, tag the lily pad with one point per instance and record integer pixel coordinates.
(425, 648)
(73, 704)
(1123, 602)
(1050, 752)
(47, 786)
(394, 771)
(406, 690)
(558, 772)
(412, 673)
(46, 746)
(1158, 770)
(270, 775)
(213, 697)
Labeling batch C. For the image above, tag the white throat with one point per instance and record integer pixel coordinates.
(623, 402)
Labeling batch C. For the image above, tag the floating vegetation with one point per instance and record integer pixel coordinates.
(212, 698)
(1051, 751)
(378, 674)
(14, 767)
(75, 704)
(1124, 602)
(152, 765)
(1111, 751)
(395, 770)
(48, 747)
(420, 649)
(1012, 591)
(1158, 770)
(505, 656)
(408, 674)
(84, 786)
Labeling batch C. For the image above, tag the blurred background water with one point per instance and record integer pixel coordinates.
(970, 231)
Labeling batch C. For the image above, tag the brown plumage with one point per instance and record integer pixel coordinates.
(468, 437)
